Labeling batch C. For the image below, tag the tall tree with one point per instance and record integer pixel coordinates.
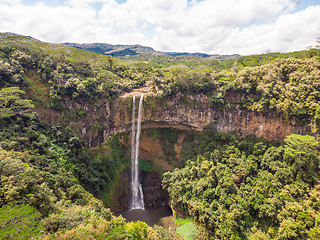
(301, 151)
(12, 104)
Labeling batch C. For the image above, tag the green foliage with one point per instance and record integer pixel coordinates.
(302, 153)
(40, 192)
(164, 234)
(236, 189)
(316, 118)
(19, 222)
(66, 73)
(10, 73)
(287, 85)
(43, 166)
(11, 103)
(116, 228)
(145, 166)
(181, 221)
(188, 231)
(53, 147)
(137, 230)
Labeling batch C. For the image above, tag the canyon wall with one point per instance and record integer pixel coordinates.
(196, 113)
(184, 112)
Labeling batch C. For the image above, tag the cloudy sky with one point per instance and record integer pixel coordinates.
(210, 26)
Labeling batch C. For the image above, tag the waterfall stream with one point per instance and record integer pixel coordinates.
(136, 209)
(137, 201)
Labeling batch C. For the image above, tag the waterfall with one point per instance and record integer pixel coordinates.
(136, 188)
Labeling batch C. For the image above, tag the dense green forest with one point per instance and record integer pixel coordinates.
(245, 189)
(231, 187)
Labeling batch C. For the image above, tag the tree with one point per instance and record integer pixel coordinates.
(110, 61)
(301, 151)
(316, 46)
(12, 104)
(318, 43)
(298, 145)
(19, 220)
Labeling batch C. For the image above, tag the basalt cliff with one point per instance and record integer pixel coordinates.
(184, 112)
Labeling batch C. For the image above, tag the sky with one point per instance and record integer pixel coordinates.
(208, 26)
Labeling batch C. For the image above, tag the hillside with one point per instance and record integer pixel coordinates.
(234, 143)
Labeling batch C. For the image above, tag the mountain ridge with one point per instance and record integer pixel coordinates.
(120, 50)
(127, 50)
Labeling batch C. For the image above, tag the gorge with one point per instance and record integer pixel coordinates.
(230, 146)
(184, 113)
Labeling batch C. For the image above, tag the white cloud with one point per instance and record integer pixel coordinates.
(212, 26)
(11, 2)
(286, 32)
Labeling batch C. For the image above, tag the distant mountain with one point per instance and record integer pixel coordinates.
(132, 50)
(125, 51)
(115, 50)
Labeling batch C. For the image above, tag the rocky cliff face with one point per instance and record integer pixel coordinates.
(196, 113)
(179, 111)
(154, 195)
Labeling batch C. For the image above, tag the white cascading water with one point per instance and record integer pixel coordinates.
(137, 201)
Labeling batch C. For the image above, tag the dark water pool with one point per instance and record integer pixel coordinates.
(151, 217)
